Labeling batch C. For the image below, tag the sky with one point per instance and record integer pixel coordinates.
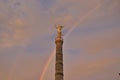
(91, 36)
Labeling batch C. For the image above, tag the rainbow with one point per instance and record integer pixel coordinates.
(10, 76)
(47, 65)
(74, 26)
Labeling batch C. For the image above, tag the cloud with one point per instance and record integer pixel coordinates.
(13, 34)
(84, 69)
(30, 25)
(93, 43)
(16, 22)
(98, 44)
(14, 25)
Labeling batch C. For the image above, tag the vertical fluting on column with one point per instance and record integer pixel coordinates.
(59, 57)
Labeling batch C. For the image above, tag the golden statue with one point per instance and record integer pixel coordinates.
(59, 30)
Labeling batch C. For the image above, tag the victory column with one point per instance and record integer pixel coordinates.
(59, 54)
